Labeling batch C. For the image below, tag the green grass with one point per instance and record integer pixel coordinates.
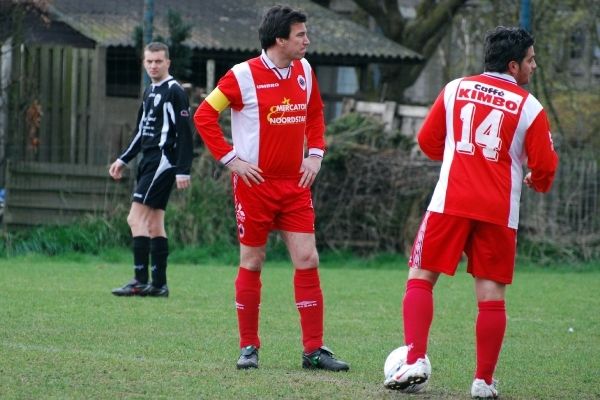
(64, 336)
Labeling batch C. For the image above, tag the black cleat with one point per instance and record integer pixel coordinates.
(249, 358)
(153, 291)
(133, 288)
(322, 358)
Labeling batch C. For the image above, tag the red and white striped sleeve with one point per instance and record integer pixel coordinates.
(206, 118)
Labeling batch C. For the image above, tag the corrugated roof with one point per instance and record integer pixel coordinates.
(225, 25)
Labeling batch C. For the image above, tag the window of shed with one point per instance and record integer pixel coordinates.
(577, 43)
(123, 72)
(335, 83)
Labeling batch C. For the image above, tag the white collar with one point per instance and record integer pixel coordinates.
(502, 76)
(161, 82)
(283, 73)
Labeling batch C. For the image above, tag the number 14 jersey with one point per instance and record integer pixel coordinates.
(483, 128)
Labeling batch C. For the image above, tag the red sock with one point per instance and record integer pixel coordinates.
(489, 333)
(247, 302)
(417, 313)
(309, 300)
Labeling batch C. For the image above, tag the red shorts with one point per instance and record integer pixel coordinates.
(442, 238)
(275, 204)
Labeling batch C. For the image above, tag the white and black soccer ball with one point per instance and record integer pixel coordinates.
(395, 360)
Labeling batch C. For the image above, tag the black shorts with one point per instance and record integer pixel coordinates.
(156, 177)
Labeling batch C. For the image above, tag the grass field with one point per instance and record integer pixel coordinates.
(64, 336)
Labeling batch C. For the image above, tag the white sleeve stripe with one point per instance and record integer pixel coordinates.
(245, 124)
(229, 157)
(308, 76)
(316, 152)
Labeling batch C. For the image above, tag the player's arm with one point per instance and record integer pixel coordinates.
(136, 143)
(115, 169)
(542, 160)
(432, 135)
(315, 136)
(315, 121)
(185, 150)
(133, 149)
(206, 120)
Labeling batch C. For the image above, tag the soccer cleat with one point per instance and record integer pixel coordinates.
(133, 288)
(322, 358)
(408, 377)
(153, 291)
(481, 390)
(249, 358)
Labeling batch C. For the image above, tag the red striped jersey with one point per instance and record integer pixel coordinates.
(273, 113)
(484, 128)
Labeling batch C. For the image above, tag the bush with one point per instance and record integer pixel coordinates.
(90, 235)
(203, 214)
(369, 198)
(371, 193)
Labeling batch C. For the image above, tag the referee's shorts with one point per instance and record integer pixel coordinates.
(155, 178)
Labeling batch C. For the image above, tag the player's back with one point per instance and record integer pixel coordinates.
(487, 117)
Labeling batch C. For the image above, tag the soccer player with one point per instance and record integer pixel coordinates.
(163, 134)
(482, 128)
(275, 106)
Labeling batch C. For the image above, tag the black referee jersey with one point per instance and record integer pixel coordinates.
(163, 123)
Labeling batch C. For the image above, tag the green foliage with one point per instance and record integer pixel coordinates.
(89, 235)
(202, 215)
(548, 252)
(138, 39)
(200, 221)
(579, 114)
(65, 336)
(369, 199)
(179, 54)
(355, 131)
(10, 19)
(369, 192)
(563, 82)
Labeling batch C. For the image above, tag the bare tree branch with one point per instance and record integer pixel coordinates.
(423, 34)
(388, 18)
(431, 18)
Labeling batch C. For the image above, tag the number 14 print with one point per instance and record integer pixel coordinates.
(487, 134)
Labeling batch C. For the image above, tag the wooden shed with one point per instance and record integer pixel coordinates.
(75, 77)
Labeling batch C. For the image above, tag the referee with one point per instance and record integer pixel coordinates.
(163, 135)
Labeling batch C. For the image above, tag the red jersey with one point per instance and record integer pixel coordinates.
(483, 128)
(273, 112)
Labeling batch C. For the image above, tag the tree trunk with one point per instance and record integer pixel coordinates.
(422, 34)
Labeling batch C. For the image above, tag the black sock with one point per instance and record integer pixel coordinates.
(141, 258)
(159, 250)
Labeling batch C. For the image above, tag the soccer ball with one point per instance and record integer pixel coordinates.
(395, 360)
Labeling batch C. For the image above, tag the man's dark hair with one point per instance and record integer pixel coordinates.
(503, 45)
(158, 46)
(277, 23)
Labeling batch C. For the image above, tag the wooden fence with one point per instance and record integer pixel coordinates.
(54, 105)
(565, 221)
(567, 218)
(51, 193)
